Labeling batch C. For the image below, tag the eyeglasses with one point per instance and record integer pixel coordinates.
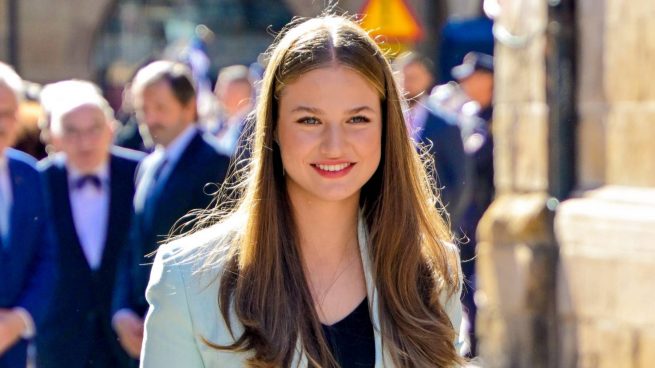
(75, 134)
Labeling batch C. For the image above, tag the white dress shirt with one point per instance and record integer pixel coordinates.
(90, 207)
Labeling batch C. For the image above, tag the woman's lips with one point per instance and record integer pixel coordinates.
(333, 170)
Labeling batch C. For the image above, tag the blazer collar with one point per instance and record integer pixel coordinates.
(381, 357)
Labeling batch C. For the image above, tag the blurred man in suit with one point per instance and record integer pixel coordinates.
(50, 97)
(437, 131)
(27, 249)
(475, 77)
(91, 187)
(171, 181)
(235, 95)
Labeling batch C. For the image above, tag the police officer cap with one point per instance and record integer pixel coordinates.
(473, 61)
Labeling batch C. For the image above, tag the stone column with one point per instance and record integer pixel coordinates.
(516, 251)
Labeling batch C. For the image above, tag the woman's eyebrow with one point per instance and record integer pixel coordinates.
(312, 110)
(360, 109)
(317, 111)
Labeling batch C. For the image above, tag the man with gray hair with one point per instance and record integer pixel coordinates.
(91, 185)
(27, 249)
(50, 96)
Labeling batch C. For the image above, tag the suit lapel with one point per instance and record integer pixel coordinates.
(117, 190)
(16, 216)
(69, 240)
(181, 173)
(19, 216)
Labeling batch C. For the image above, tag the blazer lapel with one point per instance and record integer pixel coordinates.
(382, 358)
(18, 215)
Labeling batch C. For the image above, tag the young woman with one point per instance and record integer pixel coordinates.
(335, 254)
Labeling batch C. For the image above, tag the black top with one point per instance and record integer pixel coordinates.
(351, 340)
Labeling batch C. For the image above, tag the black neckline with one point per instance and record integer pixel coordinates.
(352, 340)
(354, 313)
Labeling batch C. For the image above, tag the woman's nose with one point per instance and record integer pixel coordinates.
(333, 140)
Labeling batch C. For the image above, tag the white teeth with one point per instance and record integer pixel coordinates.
(333, 167)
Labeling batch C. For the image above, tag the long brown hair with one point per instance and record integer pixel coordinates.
(263, 281)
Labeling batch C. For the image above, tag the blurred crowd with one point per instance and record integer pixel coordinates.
(87, 193)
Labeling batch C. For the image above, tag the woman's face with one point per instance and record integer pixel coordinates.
(329, 131)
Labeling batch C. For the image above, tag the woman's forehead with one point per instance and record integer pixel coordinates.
(327, 75)
(328, 85)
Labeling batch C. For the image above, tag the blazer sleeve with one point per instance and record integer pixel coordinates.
(123, 282)
(121, 298)
(169, 339)
(453, 305)
(40, 287)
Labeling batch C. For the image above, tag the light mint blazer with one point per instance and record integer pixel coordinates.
(184, 307)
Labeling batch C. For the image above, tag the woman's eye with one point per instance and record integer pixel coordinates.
(359, 119)
(308, 120)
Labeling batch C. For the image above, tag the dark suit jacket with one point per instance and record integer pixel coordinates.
(80, 315)
(450, 162)
(184, 190)
(27, 262)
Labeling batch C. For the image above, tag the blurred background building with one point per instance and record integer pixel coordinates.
(566, 256)
(83, 39)
(105, 40)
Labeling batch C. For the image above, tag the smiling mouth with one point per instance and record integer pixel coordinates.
(333, 168)
(333, 171)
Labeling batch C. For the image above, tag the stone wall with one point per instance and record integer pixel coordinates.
(606, 275)
(4, 32)
(606, 235)
(56, 38)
